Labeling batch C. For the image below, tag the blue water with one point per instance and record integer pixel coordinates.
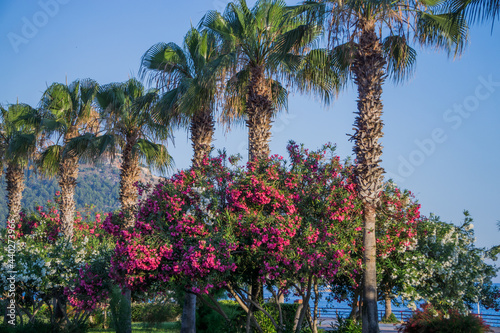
(323, 303)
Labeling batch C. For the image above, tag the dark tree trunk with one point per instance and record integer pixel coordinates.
(202, 131)
(15, 187)
(126, 315)
(369, 76)
(129, 175)
(188, 319)
(259, 112)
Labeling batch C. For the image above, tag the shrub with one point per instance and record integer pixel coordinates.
(210, 321)
(42, 327)
(346, 325)
(391, 320)
(288, 312)
(155, 313)
(428, 320)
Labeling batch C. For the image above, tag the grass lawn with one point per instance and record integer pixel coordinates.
(142, 328)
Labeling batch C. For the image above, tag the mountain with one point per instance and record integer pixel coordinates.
(98, 185)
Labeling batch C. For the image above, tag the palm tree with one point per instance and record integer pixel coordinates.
(189, 78)
(128, 129)
(271, 47)
(67, 113)
(374, 38)
(18, 144)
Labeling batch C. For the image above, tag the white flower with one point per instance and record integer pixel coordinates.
(469, 226)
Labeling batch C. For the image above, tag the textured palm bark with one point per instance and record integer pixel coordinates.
(129, 175)
(369, 76)
(68, 174)
(15, 187)
(259, 112)
(202, 131)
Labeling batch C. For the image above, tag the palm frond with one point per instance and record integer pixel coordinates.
(447, 31)
(401, 58)
(155, 155)
(22, 147)
(48, 162)
(476, 10)
(90, 148)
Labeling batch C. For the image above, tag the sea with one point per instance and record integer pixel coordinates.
(324, 303)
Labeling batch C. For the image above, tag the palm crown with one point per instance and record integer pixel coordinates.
(188, 76)
(128, 128)
(270, 47)
(18, 145)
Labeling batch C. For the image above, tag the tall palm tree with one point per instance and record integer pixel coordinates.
(18, 143)
(271, 45)
(188, 75)
(127, 128)
(67, 112)
(374, 37)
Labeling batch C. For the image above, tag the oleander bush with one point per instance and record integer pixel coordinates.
(429, 320)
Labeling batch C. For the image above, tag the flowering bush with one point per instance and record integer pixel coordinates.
(447, 270)
(44, 263)
(428, 320)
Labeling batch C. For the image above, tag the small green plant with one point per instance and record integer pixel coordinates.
(119, 309)
(391, 320)
(428, 320)
(346, 325)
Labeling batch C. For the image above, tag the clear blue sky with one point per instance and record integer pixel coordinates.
(441, 128)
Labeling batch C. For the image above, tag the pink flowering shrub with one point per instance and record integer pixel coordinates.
(273, 223)
(175, 239)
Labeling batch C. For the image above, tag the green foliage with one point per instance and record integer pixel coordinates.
(209, 321)
(42, 327)
(36, 327)
(288, 312)
(447, 269)
(391, 320)
(154, 313)
(346, 325)
(119, 307)
(430, 320)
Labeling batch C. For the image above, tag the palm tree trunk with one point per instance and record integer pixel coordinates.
(259, 112)
(68, 174)
(369, 75)
(15, 187)
(202, 131)
(129, 175)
